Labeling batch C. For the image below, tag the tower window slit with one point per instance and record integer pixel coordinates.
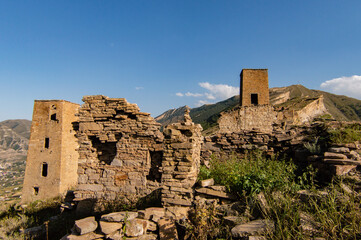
(46, 143)
(44, 170)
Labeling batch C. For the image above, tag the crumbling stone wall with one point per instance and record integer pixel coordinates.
(120, 149)
(260, 118)
(181, 162)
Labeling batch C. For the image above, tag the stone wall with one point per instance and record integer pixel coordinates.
(181, 162)
(259, 118)
(120, 149)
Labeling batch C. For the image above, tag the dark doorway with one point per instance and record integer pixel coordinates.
(155, 163)
(254, 98)
(36, 191)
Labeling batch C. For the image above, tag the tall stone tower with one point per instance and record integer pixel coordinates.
(52, 161)
(254, 87)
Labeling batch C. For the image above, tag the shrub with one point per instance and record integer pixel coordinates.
(252, 174)
(313, 148)
(333, 216)
(348, 134)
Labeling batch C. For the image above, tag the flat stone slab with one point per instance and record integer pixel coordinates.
(152, 212)
(332, 155)
(86, 225)
(342, 161)
(207, 182)
(119, 216)
(215, 193)
(110, 227)
(339, 149)
(88, 236)
(256, 227)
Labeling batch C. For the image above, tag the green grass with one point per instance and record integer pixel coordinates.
(253, 174)
(347, 134)
(336, 215)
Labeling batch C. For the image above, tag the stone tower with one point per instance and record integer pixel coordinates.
(254, 112)
(254, 87)
(52, 161)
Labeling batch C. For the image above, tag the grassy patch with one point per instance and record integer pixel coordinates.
(348, 134)
(253, 174)
(333, 215)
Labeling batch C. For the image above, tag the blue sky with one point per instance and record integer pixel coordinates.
(166, 54)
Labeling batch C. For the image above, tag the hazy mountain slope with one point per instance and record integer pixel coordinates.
(340, 107)
(14, 135)
(14, 138)
(171, 116)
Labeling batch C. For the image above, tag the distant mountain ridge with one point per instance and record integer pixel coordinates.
(340, 107)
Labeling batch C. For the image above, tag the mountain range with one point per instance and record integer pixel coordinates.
(294, 97)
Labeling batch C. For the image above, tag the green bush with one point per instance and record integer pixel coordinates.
(345, 135)
(253, 174)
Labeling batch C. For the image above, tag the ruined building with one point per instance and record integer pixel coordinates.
(254, 111)
(107, 149)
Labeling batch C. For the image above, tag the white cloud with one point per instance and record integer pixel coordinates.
(139, 88)
(210, 96)
(220, 91)
(214, 93)
(189, 94)
(349, 86)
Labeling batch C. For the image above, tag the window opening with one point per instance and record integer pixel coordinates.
(155, 163)
(53, 117)
(106, 151)
(44, 170)
(254, 98)
(36, 191)
(46, 142)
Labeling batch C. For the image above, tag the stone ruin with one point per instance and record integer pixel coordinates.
(115, 151)
(107, 150)
(120, 149)
(121, 153)
(254, 111)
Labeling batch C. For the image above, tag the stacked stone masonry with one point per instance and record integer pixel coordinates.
(249, 118)
(120, 149)
(181, 162)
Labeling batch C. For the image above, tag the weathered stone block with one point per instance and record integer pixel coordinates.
(119, 216)
(86, 225)
(109, 227)
(136, 227)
